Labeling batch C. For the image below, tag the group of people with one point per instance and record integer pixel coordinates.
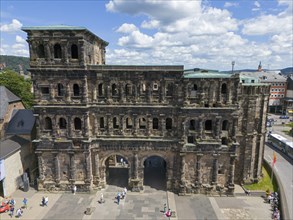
(166, 212)
(121, 195)
(12, 204)
(273, 199)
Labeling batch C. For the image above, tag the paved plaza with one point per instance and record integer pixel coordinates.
(144, 205)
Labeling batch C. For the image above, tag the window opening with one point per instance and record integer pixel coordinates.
(168, 123)
(60, 89)
(102, 122)
(76, 90)
(45, 90)
(41, 51)
(77, 124)
(142, 123)
(100, 89)
(225, 125)
(169, 90)
(115, 123)
(129, 123)
(208, 125)
(62, 123)
(224, 88)
(128, 89)
(155, 123)
(192, 125)
(74, 51)
(190, 139)
(57, 51)
(48, 123)
(114, 90)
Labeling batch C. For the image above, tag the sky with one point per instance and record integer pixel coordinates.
(207, 34)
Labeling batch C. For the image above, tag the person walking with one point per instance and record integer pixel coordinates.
(11, 211)
(46, 200)
(118, 198)
(24, 201)
(19, 213)
(74, 189)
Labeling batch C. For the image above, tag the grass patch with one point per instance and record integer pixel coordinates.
(264, 184)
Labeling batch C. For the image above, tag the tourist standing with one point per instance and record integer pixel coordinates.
(74, 189)
(24, 201)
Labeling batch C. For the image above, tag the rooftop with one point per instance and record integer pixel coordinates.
(205, 73)
(6, 97)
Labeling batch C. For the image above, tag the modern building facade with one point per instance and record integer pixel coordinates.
(207, 128)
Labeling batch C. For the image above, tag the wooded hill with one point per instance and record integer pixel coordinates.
(14, 62)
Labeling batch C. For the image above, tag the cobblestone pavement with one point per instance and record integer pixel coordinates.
(144, 205)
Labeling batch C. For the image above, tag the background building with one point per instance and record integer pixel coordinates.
(200, 130)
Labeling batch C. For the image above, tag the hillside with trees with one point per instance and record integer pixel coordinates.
(14, 63)
(17, 84)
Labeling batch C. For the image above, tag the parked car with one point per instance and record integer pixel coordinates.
(284, 117)
(270, 120)
(269, 124)
(5, 207)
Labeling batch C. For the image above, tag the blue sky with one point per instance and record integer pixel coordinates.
(200, 33)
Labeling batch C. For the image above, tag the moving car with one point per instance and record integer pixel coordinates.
(284, 117)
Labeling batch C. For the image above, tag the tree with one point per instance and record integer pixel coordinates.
(17, 84)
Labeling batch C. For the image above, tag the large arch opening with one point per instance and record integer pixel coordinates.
(117, 171)
(155, 172)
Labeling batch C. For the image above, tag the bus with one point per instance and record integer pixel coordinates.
(281, 143)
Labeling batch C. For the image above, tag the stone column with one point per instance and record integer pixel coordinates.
(234, 129)
(198, 171)
(215, 169)
(57, 167)
(135, 124)
(72, 167)
(182, 175)
(69, 125)
(97, 165)
(88, 161)
(135, 166)
(135, 93)
(86, 124)
(201, 128)
(95, 93)
(85, 91)
(41, 166)
(122, 93)
(48, 55)
(121, 124)
(232, 171)
(149, 124)
(218, 128)
(81, 53)
(229, 89)
(149, 92)
(108, 123)
(163, 124)
(68, 94)
(219, 98)
(52, 91)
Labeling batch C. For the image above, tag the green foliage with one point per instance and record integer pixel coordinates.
(13, 62)
(17, 84)
(264, 184)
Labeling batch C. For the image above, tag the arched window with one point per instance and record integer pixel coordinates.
(225, 125)
(224, 141)
(48, 123)
(155, 123)
(100, 89)
(194, 88)
(41, 51)
(128, 89)
(192, 125)
(77, 124)
(74, 51)
(57, 51)
(208, 125)
(62, 123)
(169, 89)
(60, 89)
(169, 123)
(102, 122)
(142, 123)
(224, 88)
(114, 90)
(115, 123)
(76, 91)
(128, 123)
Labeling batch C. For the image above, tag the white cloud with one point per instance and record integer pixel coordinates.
(257, 4)
(231, 4)
(18, 46)
(19, 39)
(127, 28)
(12, 27)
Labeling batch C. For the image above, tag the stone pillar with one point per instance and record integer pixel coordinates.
(52, 91)
(135, 93)
(69, 126)
(149, 92)
(97, 165)
(163, 124)
(163, 92)
(135, 166)
(215, 169)
(72, 167)
(85, 91)
(198, 172)
(182, 190)
(229, 90)
(68, 94)
(149, 124)
(135, 181)
(41, 166)
(232, 171)
(201, 128)
(122, 93)
(135, 124)
(57, 167)
(95, 93)
(86, 124)
(219, 98)
(108, 123)
(234, 129)
(48, 54)
(121, 124)
(81, 54)
(88, 162)
(218, 128)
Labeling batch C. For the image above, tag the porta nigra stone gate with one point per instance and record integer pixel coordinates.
(206, 127)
